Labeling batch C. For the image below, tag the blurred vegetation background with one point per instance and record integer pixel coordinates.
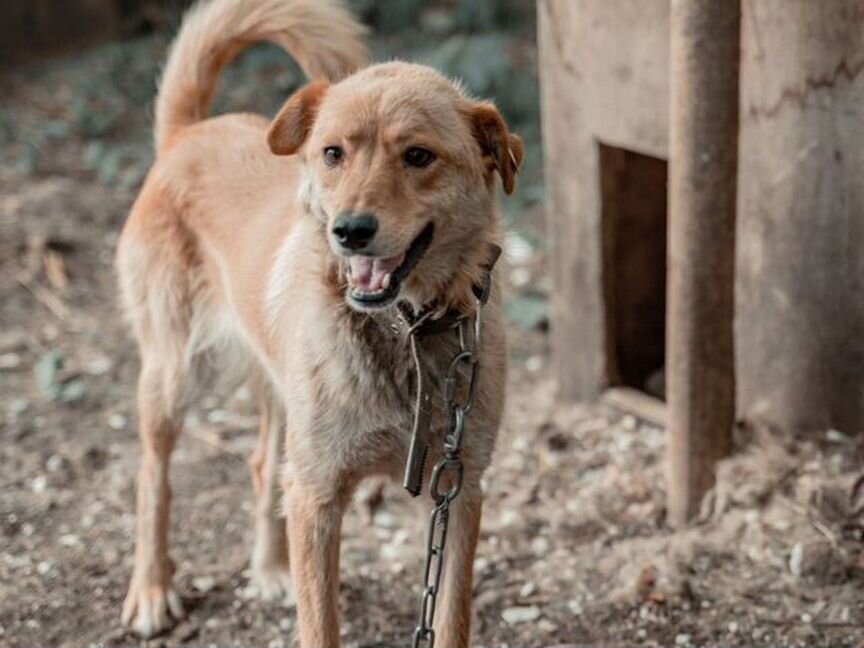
(114, 52)
(81, 76)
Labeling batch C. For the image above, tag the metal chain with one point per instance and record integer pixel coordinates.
(450, 465)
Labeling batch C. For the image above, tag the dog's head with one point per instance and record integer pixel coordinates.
(401, 168)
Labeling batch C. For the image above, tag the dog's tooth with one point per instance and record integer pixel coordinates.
(385, 283)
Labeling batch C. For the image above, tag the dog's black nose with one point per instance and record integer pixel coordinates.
(355, 231)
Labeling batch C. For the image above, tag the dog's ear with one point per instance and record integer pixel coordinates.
(291, 126)
(503, 148)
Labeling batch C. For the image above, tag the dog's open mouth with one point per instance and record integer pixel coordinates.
(374, 282)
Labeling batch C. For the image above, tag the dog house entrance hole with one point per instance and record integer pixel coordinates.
(633, 190)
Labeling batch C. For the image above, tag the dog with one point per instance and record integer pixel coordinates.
(290, 248)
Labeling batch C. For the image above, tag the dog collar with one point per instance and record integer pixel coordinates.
(422, 324)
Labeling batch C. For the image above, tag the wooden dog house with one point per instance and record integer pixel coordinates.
(741, 279)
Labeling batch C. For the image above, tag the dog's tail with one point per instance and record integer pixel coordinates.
(321, 35)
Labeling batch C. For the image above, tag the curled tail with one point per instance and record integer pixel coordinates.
(321, 35)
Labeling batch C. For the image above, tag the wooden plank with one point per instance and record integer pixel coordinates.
(639, 404)
(703, 147)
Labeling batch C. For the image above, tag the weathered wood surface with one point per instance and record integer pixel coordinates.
(800, 301)
(700, 380)
(598, 62)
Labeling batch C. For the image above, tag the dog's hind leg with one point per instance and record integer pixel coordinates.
(152, 603)
(270, 575)
(155, 280)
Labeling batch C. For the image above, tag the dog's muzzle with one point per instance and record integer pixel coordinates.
(375, 282)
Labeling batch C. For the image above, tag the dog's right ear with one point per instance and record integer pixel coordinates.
(291, 126)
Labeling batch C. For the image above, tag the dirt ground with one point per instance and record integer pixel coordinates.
(574, 549)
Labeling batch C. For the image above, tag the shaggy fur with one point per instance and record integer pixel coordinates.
(228, 253)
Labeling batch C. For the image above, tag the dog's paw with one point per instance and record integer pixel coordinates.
(272, 583)
(151, 609)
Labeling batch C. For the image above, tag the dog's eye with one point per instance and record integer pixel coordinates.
(418, 157)
(333, 155)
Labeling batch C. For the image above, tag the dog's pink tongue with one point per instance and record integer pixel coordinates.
(367, 273)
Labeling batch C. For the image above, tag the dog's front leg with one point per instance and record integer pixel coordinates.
(314, 529)
(453, 615)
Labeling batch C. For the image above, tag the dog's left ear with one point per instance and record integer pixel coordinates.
(497, 142)
(289, 129)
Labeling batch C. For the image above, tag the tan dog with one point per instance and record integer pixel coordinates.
(288, 260)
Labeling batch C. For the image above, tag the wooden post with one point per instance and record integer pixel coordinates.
(704, 52)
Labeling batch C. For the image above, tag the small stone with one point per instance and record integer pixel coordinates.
(39, 484)
(218, 416)
(540, 545)
(520, 277)
(98, 366)
(117, 422)
(55, 463)
(72, 391)
(534, 363)
(10, 361)
(391, 551)
(836, 436)
(806, 618)
(522, 614)
(527, 589)
(43, 568)
(796, 560)
(629, 422)
(69, 540)
(682, 639)
(509, 517)
(545, 625)
(111, 556)
(401, 537)
(384, 519)
(204, 583)
(733, 627)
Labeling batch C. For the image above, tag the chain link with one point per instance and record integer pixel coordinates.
(449, 466)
